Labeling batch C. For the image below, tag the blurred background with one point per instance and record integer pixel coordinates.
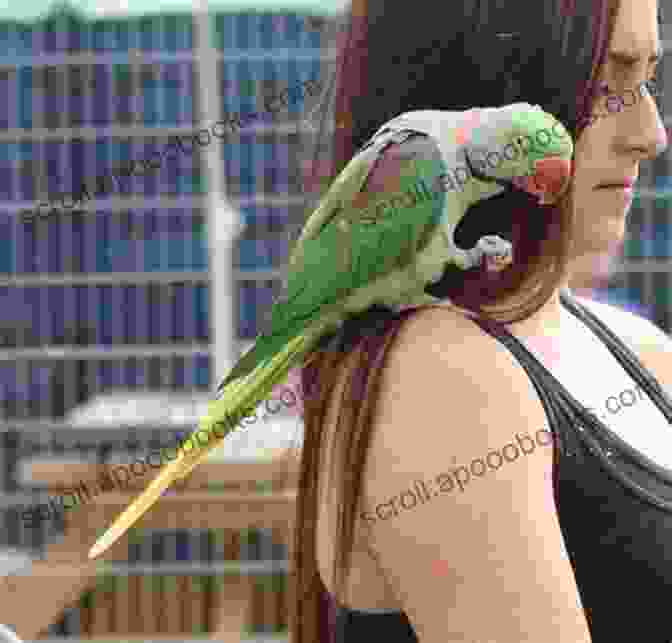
(117, 321)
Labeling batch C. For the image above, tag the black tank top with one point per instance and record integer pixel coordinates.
(614, 507)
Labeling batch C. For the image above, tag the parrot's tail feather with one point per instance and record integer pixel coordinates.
(242, 395)
(237, 399)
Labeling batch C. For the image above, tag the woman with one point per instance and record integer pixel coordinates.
(514, 549)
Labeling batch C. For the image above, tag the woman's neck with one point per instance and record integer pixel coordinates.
(549, 320)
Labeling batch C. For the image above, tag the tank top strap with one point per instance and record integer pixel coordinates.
(559, 410)
(621, 352)
(578, 431)
(543, 379)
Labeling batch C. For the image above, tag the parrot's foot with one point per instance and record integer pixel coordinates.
(497, 253)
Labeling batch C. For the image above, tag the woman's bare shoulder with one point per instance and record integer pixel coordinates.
(453, 508)
(440, 359)
(445, 335)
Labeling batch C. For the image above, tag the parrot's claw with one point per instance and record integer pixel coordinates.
(497, 253)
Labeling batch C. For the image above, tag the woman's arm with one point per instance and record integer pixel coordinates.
(477, 556)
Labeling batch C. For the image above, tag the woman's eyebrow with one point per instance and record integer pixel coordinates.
(629, 59)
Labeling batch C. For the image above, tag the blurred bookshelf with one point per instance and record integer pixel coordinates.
(116, 298)
(129, 275)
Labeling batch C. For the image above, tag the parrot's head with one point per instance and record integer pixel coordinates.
(520, 145)
(517, 147)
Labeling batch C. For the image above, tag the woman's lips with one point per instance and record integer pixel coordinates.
(628, 189)
(625, 183)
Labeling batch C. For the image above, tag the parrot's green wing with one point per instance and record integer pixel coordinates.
(344, 248)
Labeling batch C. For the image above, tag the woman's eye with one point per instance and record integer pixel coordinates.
(613, 100)
(608, 100)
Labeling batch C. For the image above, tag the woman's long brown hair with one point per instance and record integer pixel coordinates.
(541, 236)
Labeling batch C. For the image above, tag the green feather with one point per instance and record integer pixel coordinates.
(342, 250)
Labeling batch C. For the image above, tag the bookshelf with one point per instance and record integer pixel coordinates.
(116, 297)
(87, 94)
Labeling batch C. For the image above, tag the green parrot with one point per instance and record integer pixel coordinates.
(348, 259)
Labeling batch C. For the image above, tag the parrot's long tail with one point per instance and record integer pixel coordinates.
(242, 394)
(237, 399)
